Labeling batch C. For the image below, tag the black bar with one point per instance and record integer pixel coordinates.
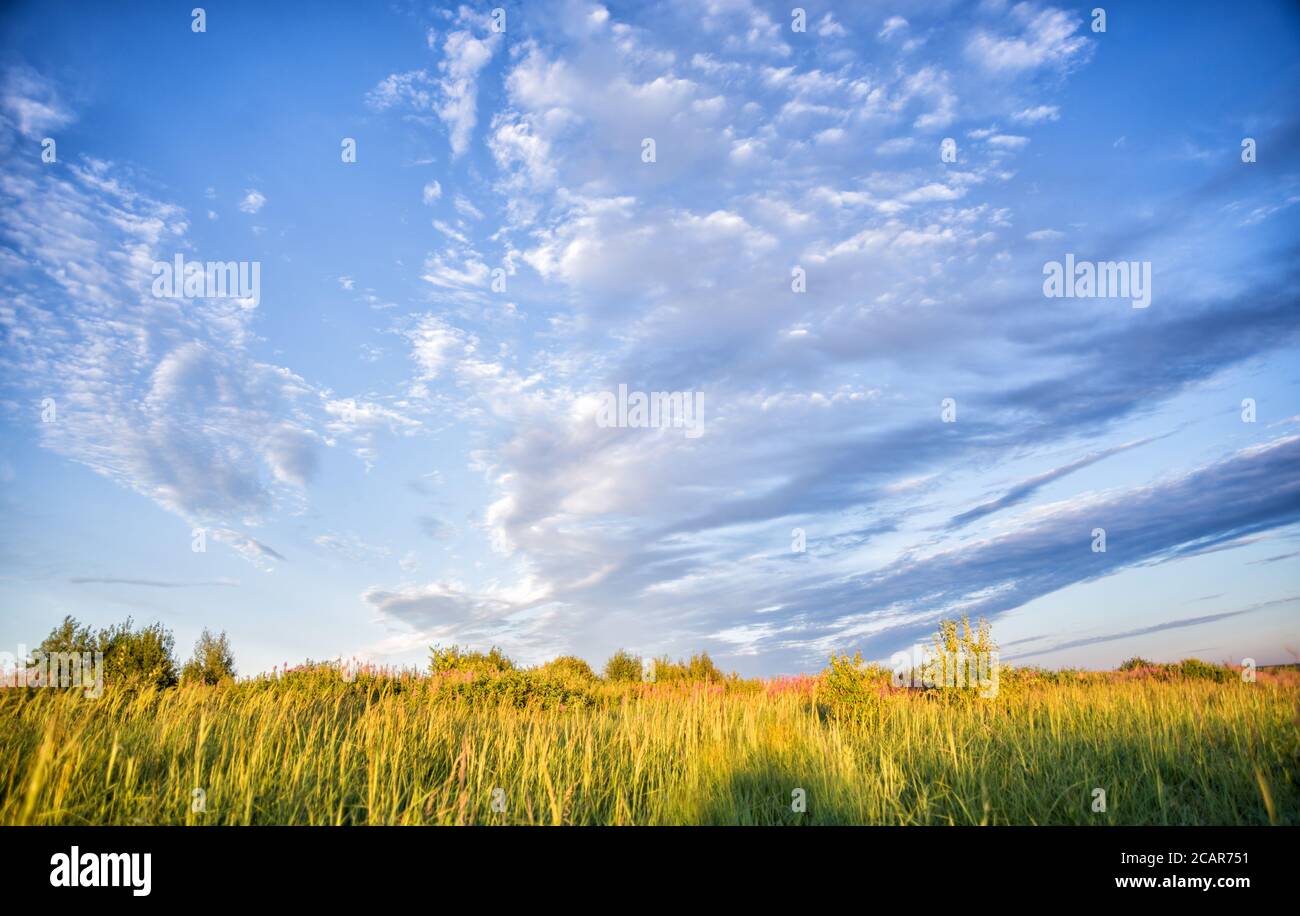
(262, 865)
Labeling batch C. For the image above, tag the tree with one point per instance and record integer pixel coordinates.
(623, 666)
(142, 657)
(569, 667)
(69, 637)
(212, 662)
(454, 658)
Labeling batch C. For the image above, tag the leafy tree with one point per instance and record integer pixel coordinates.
(454, 658)
(212, 662)
(69, 636)
(623, 666)
(569, 668)
(700, 669)
(142, 657)
(960, 653)
(850, 684)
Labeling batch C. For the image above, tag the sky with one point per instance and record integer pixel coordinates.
(398, 442)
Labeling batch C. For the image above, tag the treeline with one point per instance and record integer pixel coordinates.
(144, 656)
(622, 666)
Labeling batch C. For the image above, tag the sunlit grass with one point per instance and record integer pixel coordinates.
(379, 750)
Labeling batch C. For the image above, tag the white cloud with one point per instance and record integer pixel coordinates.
(1008, 141)
(1047, 37)
(33, 104)
(827, 27)
(457, 105)
(1037, 114)
(253, 201)
(893, 25)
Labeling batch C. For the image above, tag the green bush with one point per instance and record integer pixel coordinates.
(454, 658)
(136, 657)
(212, 663)
(700, 669)
(623, 667)
(69, 637)
(1190, 668)
(142, 657)
(962, 655)
(849, 683)
(568, 668)
(520, 689)
(1199, 670)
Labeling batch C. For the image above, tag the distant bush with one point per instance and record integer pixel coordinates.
(136, 657)
(699, 669)
(850, 683)
(454, 658)
(623, 667)
(212, 662)
(962, 654)
(1031, 677)
(142, 657)
(568, 668)
(69, 637)
(1189, 668)
(520, 689)
(1199, 670)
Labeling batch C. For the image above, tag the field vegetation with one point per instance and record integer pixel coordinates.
(478, 739)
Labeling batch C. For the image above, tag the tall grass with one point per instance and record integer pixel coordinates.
(389, 750)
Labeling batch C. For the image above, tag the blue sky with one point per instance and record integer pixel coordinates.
(385, 451)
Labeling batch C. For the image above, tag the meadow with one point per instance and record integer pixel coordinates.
(469, 742)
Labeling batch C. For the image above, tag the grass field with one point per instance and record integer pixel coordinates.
(314, 747)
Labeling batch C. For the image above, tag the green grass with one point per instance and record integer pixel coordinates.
(315, 749)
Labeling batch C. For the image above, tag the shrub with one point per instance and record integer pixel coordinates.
(957, 646)
(70, 637)
(568, 668)
(140, 657)
(1199, 670)
(622, 667)
(849, 683)
(520, 689)
(212, 663)
(1135, 663)
(700, 669)
(454, 658)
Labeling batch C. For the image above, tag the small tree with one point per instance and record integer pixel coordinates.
(960, 652)
(702, 668)
(454, 658)
(623, 666)
(142, 657)
(569, 668)
(212, 662)
(69, 636)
